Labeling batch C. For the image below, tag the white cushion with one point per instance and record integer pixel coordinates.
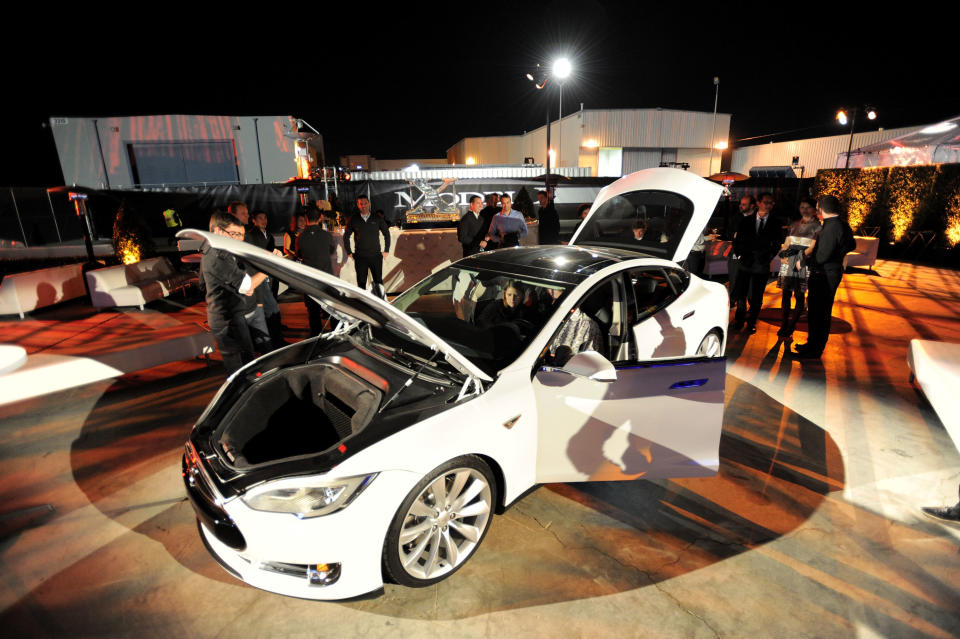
(936, 369)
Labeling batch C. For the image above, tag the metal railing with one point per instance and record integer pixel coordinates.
(31, 217)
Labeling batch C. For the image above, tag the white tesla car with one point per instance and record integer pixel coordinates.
(381, 450)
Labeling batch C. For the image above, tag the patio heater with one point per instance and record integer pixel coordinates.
(78, 196)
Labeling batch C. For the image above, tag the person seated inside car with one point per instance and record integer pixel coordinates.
(509, 308)
(578, 333)
(542, 303)
(639, 229)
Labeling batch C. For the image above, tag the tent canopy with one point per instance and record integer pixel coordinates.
(935, 144)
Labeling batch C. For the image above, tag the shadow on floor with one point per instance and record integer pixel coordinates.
(563, 542)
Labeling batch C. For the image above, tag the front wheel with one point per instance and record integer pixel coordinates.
(710, 345)
(440, 523)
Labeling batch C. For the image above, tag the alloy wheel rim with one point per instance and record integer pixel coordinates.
(710, 346)
(445, 523)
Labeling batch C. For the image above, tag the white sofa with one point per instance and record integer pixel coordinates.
(865, 254)
(24, 292)
(935, 368)
(136, 284)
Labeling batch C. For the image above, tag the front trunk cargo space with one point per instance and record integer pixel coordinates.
(297, 411)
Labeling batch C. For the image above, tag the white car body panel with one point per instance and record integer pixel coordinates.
(677, 330)
(628, 428)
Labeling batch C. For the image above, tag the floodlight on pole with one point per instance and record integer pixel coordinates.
(842, 118)
(562, 68)
(713, 129)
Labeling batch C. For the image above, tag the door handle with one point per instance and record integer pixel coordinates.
(689, 383)
(690, 314)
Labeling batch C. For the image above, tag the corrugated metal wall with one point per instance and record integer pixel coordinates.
(654, 128)
(815, 153)
(639, 159)
(647, 129)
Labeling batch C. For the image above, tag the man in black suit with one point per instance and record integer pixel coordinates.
(367, 257)
(549, 219)
(826, 271)
(748, 207)
(491, 209)
(266, 296)
(315, 247)
(757, 241)
(471, 228)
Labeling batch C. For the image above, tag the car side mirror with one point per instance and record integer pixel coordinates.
(591, 365)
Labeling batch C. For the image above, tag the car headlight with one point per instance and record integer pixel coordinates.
(307, 498)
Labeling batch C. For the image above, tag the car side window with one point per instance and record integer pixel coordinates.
(595, 324)
(651, 290)
(678, 279)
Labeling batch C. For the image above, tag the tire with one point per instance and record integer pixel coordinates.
(711, 344)
(426, 543)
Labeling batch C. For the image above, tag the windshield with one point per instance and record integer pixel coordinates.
(487, 316)
(650, 222)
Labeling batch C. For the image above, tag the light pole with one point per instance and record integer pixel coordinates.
(713, 130)
(842, 119)
(540, 86)
(561, 71)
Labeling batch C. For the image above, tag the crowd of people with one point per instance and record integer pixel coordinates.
(245, 315)
(485, 228)
(811, 265)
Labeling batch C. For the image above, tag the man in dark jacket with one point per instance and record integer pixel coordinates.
(757, 241)
(315, 247)
(266, 296)
(228, 287)
(367, 255)
(826, 271)
(471, 228)
(258, 235)
(549, 226)
(491, 209)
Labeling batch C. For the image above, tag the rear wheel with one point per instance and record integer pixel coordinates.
(440, 523)
(711, 344)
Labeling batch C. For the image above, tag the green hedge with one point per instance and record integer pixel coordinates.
(901, 200)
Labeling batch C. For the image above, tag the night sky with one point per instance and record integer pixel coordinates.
(410, 82)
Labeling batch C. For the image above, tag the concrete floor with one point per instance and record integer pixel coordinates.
(811, 528)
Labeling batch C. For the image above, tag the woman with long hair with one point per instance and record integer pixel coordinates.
(298, 222)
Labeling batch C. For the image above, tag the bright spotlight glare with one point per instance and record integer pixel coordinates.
(943, 127)
(722, 144)
(842, 117)
(871, 115)
(412, 167)
(471, 160)
(562, 68)
(530, 77)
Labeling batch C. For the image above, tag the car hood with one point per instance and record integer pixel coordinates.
(701, 193)
(341, 299)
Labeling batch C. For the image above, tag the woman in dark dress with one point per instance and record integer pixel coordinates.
(799, 245)
(297, 223)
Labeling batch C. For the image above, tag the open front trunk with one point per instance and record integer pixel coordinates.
(294, 412)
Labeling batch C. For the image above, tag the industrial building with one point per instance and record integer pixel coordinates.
(174, 150)
(609, 142)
